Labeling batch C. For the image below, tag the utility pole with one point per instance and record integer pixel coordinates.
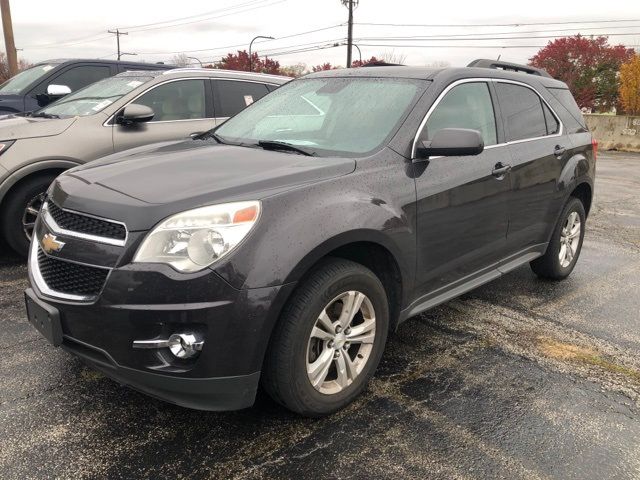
(350, 4)
(117, 33)
(7, 28)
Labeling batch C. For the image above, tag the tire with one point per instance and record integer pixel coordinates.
(14, 210)
(293, 350)
(550, 265)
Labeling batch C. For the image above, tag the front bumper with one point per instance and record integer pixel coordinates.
(153, 301)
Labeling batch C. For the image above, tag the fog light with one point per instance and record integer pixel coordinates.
(181, 345)
(184, 345)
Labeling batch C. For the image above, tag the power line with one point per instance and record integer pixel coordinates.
(461, 35)
(139, 28)
(513, 24)
(249, 9)
(299, 34)
(132, 27)
(460, 46)
(444, 38)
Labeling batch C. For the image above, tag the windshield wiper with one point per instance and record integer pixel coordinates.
(44, 115)
(277, 145)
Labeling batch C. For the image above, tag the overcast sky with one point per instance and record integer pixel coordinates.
(208, 29)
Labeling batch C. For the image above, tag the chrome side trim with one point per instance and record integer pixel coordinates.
(486, 80)
(39, 282)
(51, 223)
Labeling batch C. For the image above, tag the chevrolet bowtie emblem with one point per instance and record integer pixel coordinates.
(51, 244)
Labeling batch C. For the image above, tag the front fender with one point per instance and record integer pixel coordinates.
(299, 227)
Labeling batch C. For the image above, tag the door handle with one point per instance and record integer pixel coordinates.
(500, 169)
(559, 150)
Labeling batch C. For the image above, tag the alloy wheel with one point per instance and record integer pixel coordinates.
(341, 342)
(30, 214)
(569, 239)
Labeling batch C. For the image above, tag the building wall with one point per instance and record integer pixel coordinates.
(615, 132)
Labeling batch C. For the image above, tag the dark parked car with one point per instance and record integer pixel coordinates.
(114, 114)
(41, 84)
(283, 246)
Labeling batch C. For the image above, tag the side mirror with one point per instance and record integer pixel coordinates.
(135, 113)
(58, 90)
(451, 142)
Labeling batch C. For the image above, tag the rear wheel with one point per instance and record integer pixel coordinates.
(21, 209)
(565, 245)
(329, 339)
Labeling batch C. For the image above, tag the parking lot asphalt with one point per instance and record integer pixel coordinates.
(521, 378)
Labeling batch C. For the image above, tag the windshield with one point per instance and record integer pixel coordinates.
(93, 98)
(19, 82)
(326, 116)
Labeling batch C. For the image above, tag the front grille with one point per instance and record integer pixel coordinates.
(71, 278)
(77, 222)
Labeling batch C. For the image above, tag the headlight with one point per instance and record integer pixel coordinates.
(193, 240)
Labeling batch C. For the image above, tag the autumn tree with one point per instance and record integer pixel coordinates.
(240, 61)
(324, 66)
(589, 66)
(364, 63)
(630, 85)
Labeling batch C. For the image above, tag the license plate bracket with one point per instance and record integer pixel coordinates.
(44, 317)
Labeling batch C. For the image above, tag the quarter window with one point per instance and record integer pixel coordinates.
(522, 112)
(467, 105)
(553, 126)
(232, 96)
(181, 100)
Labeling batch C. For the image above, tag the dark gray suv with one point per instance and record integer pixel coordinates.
(283, 246)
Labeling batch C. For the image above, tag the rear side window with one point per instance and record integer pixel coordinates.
(232, 96)
(467, 105)
(522, 112)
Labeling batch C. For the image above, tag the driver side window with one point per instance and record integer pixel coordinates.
(467, 105)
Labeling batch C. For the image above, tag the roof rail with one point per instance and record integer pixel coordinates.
(515, 67)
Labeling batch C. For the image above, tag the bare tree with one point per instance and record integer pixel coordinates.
(438, 64)
(180, 60)
(390, 56)
(4, 67)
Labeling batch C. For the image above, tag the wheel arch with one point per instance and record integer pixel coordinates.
(372, 249)
(41, 167)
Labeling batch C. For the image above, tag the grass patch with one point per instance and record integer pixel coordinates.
(588, 356)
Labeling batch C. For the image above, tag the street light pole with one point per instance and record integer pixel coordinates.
(251, 43)
(197, 60)
(359, 52)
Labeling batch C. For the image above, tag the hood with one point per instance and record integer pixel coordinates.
(16, 127)
(143, 188)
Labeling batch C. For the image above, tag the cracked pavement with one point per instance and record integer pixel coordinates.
(521, 378)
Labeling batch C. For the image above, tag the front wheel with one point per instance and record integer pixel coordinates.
(329, 339)
(565, 245)
(20, 210)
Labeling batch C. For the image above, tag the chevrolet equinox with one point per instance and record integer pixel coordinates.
(281, 247)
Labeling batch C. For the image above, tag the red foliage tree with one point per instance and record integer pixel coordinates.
(324, 66)
(364, 63)
(589, 66)
(240, 61)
